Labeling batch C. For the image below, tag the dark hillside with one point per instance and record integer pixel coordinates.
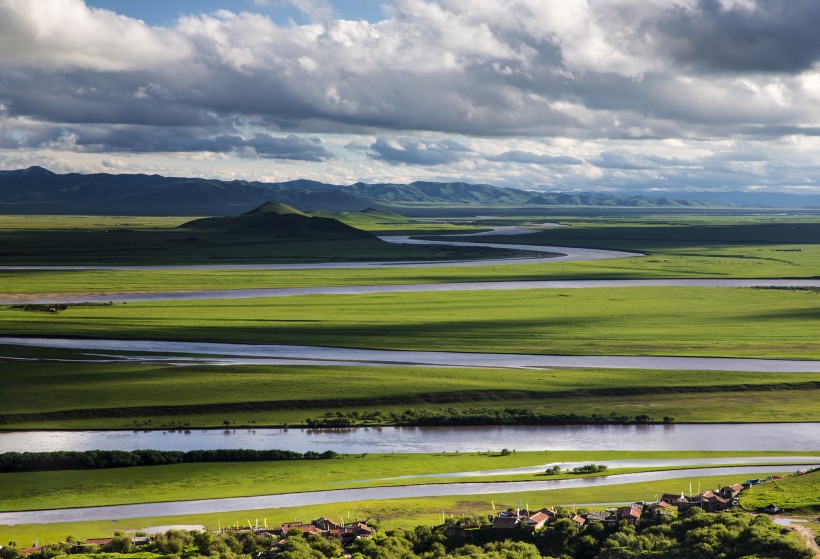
(38, 191)
(279, 221)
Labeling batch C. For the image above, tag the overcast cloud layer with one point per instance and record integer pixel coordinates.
(558, 94)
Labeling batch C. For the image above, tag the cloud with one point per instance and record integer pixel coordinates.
(640, 161)
(315, 10)
(755, 36)
(608, 69)
(599, 77)
(67, 33)
(142, 139)
(517, 156)
(410, 151)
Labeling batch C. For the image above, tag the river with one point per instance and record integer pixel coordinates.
(697, 436)
(248, 354)
(409, 288)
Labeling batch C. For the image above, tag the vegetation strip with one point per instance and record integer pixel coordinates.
(418, 416)
(100, 459)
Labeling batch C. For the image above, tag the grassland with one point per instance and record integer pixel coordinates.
(652, 321)
(795, 494)
(99, 394)
(76, 240)
(744, 247)
(614, 321)
(81, 488)
(398, 513)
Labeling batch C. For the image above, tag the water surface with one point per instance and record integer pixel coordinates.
(710, 436)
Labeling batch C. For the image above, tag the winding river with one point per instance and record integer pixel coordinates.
(775, 436)
(554, 254)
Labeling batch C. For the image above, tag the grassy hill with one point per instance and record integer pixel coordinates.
(792, 493)
(280, 221)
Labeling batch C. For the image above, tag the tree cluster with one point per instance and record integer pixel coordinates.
(694, 535)
(475, 416)
(98, 459)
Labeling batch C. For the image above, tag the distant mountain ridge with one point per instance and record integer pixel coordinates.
(39, 191)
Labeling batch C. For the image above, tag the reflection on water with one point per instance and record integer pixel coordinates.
(768, 436)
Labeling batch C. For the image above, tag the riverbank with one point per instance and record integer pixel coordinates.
(393, 513)
(208, 480)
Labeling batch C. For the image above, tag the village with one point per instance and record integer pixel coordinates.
(511, 522)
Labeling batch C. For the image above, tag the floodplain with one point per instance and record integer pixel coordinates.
(81, 389)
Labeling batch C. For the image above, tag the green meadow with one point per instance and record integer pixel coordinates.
(394, 513)
(691, 262)
(795, 494)
(608, 321)
(82, 488)
(772, 323)
(675, 247)
(93, 393)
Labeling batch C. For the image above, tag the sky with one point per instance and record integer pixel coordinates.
(594, 95)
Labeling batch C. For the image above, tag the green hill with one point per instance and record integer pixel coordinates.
(801, 493)
(366, 219)
(278, 221)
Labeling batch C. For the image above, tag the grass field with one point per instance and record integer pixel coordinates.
(693, 262)
(398, 513)
(613, 321)
(692, 246)
(82, 488)
(115, 395)
(624, 321)
(795, 494)
(36, 240)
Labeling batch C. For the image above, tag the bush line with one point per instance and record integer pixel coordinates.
(99, 459)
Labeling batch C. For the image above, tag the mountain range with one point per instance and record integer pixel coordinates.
(39, 191)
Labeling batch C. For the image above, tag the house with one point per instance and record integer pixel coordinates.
(539, 518)
(631, 514)
(325, 523)
(674, 499)
(709, 501)
(300, 527)
(731, 491)
(30, 550)
(661, 508)
(98, 541)
(506, 521)
(595, 517)
(362, 530)
(579, 520)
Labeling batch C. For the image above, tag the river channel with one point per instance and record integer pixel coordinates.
(248, 354)
(411, 288)
(720, 437)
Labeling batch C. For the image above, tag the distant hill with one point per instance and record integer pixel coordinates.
(39, 191)
(439, 192)
(278, 221)
(755, 199)
(598, 199)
